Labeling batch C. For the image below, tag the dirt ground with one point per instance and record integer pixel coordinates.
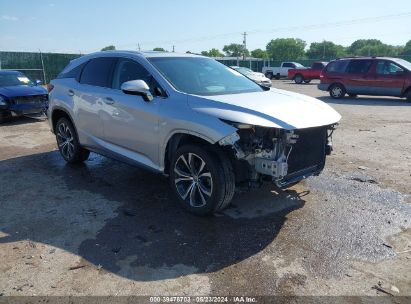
(106, 228)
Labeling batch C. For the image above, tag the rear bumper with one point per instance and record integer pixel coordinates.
(323, 86)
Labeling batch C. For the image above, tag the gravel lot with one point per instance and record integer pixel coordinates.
(105, 228)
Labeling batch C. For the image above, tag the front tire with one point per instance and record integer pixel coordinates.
(298, 79)
(202, 179)
(269, 75)
(337, 91)
(68, 143)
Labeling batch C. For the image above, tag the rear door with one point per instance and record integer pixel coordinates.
(358, 77)
(388, 78)
(94, 86)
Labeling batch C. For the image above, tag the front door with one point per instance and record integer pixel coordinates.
(389, 79)
(130, 122)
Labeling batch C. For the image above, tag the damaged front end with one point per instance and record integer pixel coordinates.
(283, 156)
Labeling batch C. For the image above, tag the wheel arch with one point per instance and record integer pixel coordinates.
(58, 113)
(179, 139)
(336, 82)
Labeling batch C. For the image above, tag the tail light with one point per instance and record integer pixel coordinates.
(50, 87)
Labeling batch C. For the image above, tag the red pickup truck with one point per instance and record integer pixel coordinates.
(307, 74)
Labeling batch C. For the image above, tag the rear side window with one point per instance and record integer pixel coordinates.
(359, 66)
(338, 66)
(98, 72)
(73, 73)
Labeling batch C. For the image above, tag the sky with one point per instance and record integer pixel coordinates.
(84, 26)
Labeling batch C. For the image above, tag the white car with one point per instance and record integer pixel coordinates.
(255, 76)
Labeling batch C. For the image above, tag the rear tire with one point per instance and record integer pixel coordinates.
(202, 179)
(278, 76)
(298, 79)
(337, 91)
(68, 143)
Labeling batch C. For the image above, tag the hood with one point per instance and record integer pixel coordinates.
(274, 108)
(258, 76)
(21, 90)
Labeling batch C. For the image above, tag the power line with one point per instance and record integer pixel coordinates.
(279, 29)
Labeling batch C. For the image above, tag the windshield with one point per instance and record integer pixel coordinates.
(14, 79)
(406, 64)
(244, 70)
(203, 76)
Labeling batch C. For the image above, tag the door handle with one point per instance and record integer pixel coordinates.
(108, 100)
(70, 93)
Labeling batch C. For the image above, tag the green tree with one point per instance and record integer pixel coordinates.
(259, 53)
(286, 48)
(235, 50)
(212, 53)
(325, 50)
(407, 49)
(109, 48)
(373, 47)
(159, 49)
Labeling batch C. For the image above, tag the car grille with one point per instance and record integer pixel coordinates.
(308, 154)
(32, 99)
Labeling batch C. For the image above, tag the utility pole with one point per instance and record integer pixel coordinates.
(173, 48)
(323, 49)
(42, 66)
(138, 47)
(244, 43)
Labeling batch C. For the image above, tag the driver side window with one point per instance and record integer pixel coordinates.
(127, 70)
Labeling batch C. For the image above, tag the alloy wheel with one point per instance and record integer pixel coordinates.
(193, 179)
(65, 140)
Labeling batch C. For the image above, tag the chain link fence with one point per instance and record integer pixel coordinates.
(36, 65)
(46, 66)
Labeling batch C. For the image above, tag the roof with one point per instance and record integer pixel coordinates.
(367, 57)
(147, 54)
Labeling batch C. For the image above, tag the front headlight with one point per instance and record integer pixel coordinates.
(2, 101)
(229, 140)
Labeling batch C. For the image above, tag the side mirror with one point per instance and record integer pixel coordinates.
(137, 87)
(38, 82)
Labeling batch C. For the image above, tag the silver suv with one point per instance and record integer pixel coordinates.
(206, 126)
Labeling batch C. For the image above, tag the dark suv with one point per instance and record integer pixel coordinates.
(378, 76)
